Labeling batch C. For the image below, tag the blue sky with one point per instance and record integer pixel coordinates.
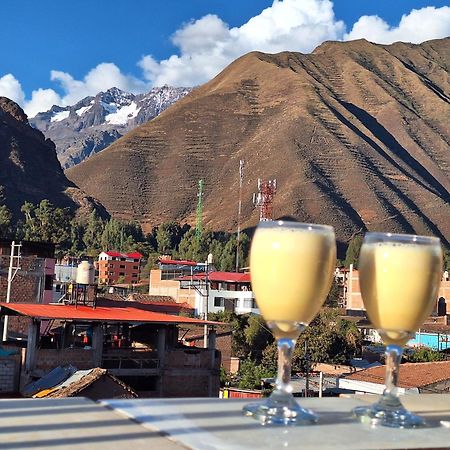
(58, 51)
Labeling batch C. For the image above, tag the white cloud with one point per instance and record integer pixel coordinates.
(207, 45)
(418, 26)
(10, 87)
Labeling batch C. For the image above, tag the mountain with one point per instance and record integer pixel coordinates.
(356, 134)
(30, 170)
(93, 123)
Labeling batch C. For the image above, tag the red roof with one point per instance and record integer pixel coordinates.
(134, 255)
(178, 262)
(99, 314)
(410, 374)
(229, 277)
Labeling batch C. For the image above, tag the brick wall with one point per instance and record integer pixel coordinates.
(9, 372)
(48, 359)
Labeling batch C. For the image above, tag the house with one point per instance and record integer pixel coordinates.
(203, 289)
(32, 268)
(429, 377)
(115, 267)
(96, 384)
(140, 347)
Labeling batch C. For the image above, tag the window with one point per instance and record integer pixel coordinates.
(135, 267)
(134, 275)
(110, 273)
(121, 274)
(48, 282)
(122, 266)
(219, 301)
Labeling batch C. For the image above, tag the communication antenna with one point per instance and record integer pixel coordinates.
(198, 225)
(238, 239)
(264, 198)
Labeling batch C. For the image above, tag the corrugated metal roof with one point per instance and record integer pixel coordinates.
(228, 277)
(100, 313)
(177, 262)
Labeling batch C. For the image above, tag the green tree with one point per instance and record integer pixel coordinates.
(93, 231)
(329, 339)
(5, 221)
(332, 299)
(257, 336)
(250, 374)
(352, 254)
(425, 355)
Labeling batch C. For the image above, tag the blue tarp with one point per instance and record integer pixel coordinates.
(51, 379)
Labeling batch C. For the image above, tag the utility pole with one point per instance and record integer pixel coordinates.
(208, 264)
(14, 266)
(238, 239)
(198, 225)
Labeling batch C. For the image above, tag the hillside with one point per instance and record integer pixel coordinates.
(30, 170)
(357, 135)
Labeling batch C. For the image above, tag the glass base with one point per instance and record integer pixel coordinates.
(285, 411)
(376, 415)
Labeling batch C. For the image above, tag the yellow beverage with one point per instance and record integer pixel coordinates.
(399, 284)
(291, 269)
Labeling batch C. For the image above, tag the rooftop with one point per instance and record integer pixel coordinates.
(98, 314)
(412, 375)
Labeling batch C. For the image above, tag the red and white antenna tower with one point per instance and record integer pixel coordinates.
(264, 198)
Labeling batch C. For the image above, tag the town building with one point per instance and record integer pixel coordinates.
(140, 347)
(115, 267)
(26, 277)
(203, 288)
(414, 378)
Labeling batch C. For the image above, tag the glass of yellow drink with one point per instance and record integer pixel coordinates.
(399, 277)
(291, 268)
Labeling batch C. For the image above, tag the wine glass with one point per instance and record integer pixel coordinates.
(291, 267)
(399, 276)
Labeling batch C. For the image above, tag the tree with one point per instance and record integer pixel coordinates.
(332, 299)
(5, 221)
(329, 339)
(250, 374)
(352, 255)
(425, 355)
(257, 336)
(92, 234)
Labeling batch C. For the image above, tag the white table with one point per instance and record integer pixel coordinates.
(207, 424)
(72, 423)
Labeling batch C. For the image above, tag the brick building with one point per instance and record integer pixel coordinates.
(33, 273)
(115, 267)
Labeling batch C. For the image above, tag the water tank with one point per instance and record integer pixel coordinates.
(85, 273)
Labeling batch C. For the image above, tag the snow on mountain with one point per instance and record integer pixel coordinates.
(57, 117)
(93, 123)
(122, 115)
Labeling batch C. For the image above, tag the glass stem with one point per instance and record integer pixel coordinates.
(285, 351)
(390, 394)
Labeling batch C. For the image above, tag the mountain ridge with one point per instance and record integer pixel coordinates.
(94, 122)
(356, 134)
(30, 170)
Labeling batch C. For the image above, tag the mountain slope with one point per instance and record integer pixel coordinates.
(357, 135)
(93, 123)
(30, 170)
